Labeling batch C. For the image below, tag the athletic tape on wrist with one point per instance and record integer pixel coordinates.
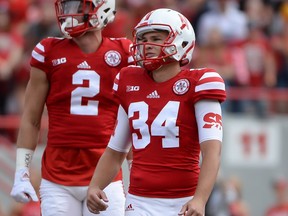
(23, 158)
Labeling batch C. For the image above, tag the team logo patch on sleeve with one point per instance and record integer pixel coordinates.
(213, 120)
(112, 58)
(181, 86)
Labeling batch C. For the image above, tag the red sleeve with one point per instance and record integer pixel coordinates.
(209, 85)
(39, 55)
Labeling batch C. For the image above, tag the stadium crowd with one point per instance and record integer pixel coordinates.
(245, 41)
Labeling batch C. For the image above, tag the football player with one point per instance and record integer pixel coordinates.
(172, 115)
(73, 76)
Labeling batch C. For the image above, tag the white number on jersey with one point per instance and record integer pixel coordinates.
(163, 125)
(91, 108)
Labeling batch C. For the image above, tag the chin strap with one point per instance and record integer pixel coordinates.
(69, 22)
(157, 63)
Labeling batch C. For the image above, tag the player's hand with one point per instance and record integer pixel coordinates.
(96, 199)
(193, 207)
(23, 190)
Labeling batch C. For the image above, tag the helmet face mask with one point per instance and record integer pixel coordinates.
(153, 62)
(76, 17)
(178, 46)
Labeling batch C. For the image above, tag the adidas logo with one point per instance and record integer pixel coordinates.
(154, 94)
(129, 208)
(25, 176)
(84, 65)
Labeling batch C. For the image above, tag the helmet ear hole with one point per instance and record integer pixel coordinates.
(106, 10)
(184, 44)
(105, 22)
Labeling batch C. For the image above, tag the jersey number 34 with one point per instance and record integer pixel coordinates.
(163, 125)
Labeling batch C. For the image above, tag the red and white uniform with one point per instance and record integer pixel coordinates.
(80, 104)
(164, 128)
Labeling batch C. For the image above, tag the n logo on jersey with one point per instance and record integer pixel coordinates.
(213, 120)
(181, 86)
(112, 58)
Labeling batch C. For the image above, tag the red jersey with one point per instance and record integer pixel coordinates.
(164, 129)
(80, 104)
(280, 210)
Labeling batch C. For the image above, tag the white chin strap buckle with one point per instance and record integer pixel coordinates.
(69, 22)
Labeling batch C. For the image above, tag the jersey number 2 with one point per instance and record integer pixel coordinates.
(91, 108)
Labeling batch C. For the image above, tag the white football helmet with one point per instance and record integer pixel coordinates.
(75, 17)
(178, 46)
